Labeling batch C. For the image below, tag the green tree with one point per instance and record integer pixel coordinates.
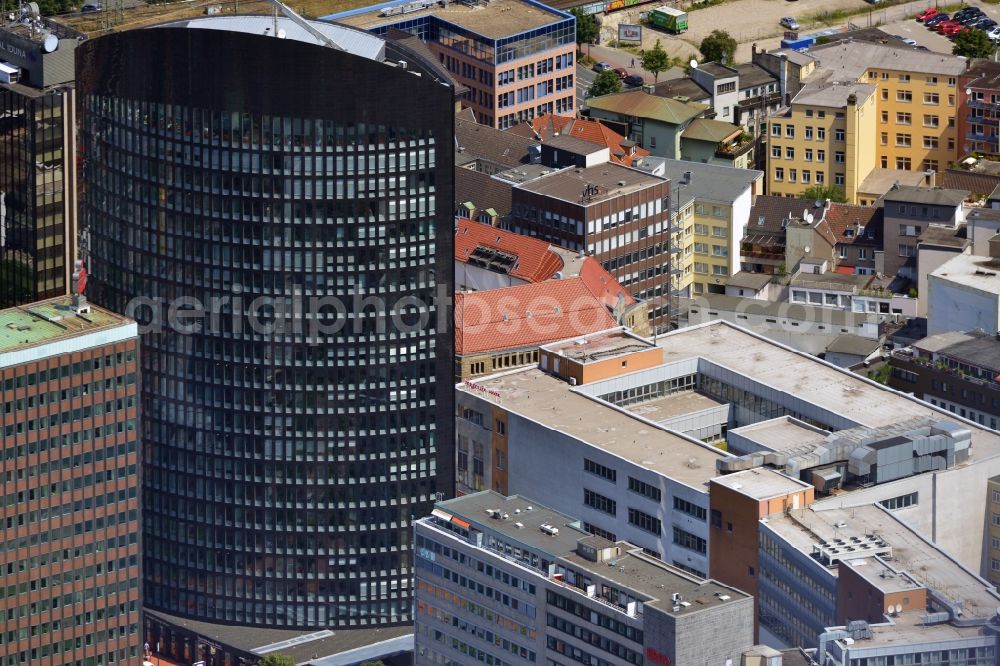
(273, 659)
(718, 45)
(655, 61)
(973, 44)
(605, 83)
(823, 192)
(587, 30)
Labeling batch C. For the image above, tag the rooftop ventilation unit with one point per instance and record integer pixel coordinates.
(548, 529)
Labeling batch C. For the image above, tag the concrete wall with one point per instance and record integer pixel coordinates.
(716, 635)
(955, 307)
(547, 465)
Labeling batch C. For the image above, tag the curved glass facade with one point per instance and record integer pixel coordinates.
(287, 242)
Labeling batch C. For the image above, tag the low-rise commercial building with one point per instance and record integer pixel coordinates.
(638, 431)
(908, 211)
(69, 442)
(508, 580)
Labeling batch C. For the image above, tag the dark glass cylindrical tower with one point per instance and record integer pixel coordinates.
(279, 214)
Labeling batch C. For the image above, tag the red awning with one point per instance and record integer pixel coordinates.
(461, 523)
(845, 270)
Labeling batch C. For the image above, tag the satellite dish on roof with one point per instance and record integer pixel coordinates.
(281, 33)
(968, 91)
(51, 43)
(899, 608)
(693, 63)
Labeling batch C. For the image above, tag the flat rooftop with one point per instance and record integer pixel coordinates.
(606, 181)
(494, 20)
(598, 346)
(832, 94)
(51, 321)
(911, 553)
(835, 389)
(761, 483)
(830, 280)
(909, 628)
(548, 400)
(880, 181)
(850, 59)
(673, 405)
(633, 570)
(781, 433)
(981, 273)
(977, 349)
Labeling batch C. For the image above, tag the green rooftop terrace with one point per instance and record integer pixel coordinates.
(50, 321)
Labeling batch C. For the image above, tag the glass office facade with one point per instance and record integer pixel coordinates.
(33, 235)
(295, 431)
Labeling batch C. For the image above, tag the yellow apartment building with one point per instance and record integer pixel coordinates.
(914, 129)
(823, 138)
(993, 525)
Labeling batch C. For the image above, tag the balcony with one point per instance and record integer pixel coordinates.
(737, 148)
(982, 120)
(983, 138)
(981, 104)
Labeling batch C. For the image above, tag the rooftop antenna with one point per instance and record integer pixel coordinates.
(302, 23)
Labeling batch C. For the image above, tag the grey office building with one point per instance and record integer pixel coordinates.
(262, 178)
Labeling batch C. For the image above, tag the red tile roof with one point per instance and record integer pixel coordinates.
(602, 284)
(527, 316)
(590, 131)
(535, 261)
(841, 217)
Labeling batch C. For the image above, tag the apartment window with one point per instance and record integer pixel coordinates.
(701, 248)
(885, 138)
(789, 153)
(719, 270)
(805, 175)
(779, 173)
(904, 140)
(790, 131)
(687, 540)
(904, 96)
(885, 94)
(931, 98)
(903, 163)
(929, 165)
(838, 179)
(952, 81)
(884, 76)
(597, 531)
(838, 157)
(951, 143)
(903, 118)
(904, 78)
(930, 142)
(719, 232)
(820, 177)
(600, 502)
(791, 175)
(809, 155)
(909, 230)
(690, 509)
(821, 134)
(809, 132)
(838, 135)
(996, 500)
(885, 116)
(720, 251)
(931, 121)
(996, 519)
(776, 152)
(701, 229)
(775, 130)
(600, 470)
(931, 81)
(727, 87)
(645, 522)
(646, 490)
(884, 161)
(906, 250)
(901, 502)
(862, 253)
(701, 268)
(821, 156)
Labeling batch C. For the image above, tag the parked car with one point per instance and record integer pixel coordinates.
(970, 19)
(968, 10)
(935, 20)
(986, 25)
(994, 33)
(953, 29)
(930, 12)
(601, 66)
(621, 72)
(789, 22)
(943, 25)
(633, 80)
(91, 7)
